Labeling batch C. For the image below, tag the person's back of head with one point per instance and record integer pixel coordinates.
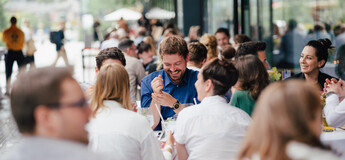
(197, 53)
(125, 43)
(319, 27)
(292, 24)
(13, 20)
(222, 73)
(173, 44)
(210, 42)
(112, 84)
(229, 52)
(286, 111)
(143, 47)
(253, 75)
(241, 38)
(109, 53)
(251, 47)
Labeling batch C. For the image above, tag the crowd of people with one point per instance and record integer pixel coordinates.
(238, 113)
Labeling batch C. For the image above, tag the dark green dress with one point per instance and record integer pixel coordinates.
(242, 99)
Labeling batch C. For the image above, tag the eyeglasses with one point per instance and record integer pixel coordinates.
(82, 103)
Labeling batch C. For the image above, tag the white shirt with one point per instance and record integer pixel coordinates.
(193, 68)
(212, 129)
(123, 134)
(136, 72)
(334, 111)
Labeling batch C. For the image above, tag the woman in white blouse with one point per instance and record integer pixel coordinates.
(212, 129)
(114, 128)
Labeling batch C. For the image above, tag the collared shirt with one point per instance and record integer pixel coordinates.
(212, 129)
(123, 134)
(184, 92)
(321, 79)
(334, 111)
(136, 73)
(14, 38)
(44, 148)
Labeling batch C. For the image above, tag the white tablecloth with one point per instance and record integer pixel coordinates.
(335, 139)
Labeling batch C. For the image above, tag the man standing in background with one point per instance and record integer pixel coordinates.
(14, 39)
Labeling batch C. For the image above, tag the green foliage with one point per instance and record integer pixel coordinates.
(274, 74)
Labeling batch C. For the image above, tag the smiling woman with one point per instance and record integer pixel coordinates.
(313, 57)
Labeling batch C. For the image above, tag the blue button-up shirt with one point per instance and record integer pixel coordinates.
(184, 92)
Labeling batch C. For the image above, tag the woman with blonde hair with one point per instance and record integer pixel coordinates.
(286, 124)
(115, 129)
(210, 42)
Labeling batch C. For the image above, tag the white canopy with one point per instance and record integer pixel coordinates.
(158, 13)
(126, 14)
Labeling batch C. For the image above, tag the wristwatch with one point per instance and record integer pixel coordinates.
(176, 105)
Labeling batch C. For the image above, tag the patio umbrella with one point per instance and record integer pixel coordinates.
(158, 13)
(126, 14)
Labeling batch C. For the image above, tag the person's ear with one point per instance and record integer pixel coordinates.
(209, 85)
(320, 63)
(43, 119)
(96, 70)
(187, 58)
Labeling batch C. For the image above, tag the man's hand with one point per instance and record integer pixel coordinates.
(157, 84)
(163, 99)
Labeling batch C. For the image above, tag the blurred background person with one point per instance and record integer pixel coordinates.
(319, 32)
(60, 48)
(223, 36)
(146, 55)
(210, 42)
(29, 45)
(14, 39)
(197, 55)
(240, 38)
(288, 122)
(256, 48)
(291, 45)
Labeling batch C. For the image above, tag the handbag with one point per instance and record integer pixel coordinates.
(30, 47)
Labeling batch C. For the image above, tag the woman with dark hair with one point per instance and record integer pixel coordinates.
(286, 124)
(253, 78)
(313, 57)
(212, 129)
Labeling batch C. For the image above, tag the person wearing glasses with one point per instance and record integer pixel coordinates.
(134, 67)
(115, 130)
(51, 112)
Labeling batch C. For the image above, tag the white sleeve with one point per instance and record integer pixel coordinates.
(150, 149)
(179, 133)
(334, 111)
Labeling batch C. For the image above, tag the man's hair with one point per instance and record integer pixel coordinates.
(110, 53)
(222, 73)
(125, 43)
(36, 87)
(292, 24)
(251, 47)
(173, 45)
(223, 30)
(143, 47)
(229, 52)
(241, 38)
(13, 20)
(197, 52)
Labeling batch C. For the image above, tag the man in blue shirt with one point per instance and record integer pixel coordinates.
(170, 88)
